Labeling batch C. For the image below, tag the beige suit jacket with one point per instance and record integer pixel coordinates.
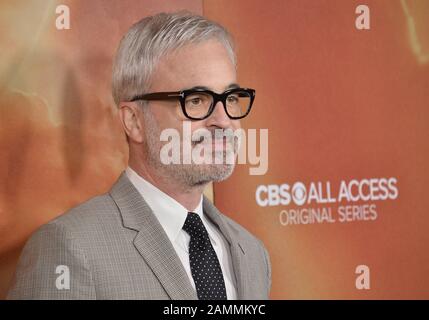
(113, 247)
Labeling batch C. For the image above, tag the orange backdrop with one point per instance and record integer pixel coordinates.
(341, 104)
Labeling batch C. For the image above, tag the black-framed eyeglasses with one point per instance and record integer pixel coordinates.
(199, 104)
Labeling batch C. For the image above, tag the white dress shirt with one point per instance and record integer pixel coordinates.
(172, 215)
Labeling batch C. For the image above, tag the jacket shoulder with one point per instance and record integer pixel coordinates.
(96, 209)
(96, 212)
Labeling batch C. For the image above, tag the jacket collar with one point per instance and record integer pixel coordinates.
(151, 241)
(237, 249)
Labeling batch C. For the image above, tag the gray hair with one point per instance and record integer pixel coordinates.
(153, 37)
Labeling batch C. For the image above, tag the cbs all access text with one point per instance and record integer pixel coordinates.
(326, 202)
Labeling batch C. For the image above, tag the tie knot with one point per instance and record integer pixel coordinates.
(194, 225)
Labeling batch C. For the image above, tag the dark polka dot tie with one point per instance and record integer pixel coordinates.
(205, 267)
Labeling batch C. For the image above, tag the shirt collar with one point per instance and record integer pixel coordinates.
(170, 213)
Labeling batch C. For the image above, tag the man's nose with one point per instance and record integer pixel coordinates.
(219, 118)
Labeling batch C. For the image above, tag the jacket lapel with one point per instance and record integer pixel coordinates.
(151, 241)
(236, 248)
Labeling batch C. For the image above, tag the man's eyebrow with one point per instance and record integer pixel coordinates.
(198, 88)
(231, 86)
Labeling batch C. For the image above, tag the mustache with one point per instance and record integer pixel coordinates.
(205, 136)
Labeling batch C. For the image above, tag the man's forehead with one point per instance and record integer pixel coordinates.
(205, 65)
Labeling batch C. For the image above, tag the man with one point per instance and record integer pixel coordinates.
(154, 235)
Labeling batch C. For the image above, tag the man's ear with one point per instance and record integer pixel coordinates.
(130, 114)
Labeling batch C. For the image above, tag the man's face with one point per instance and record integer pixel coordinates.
(206, 64)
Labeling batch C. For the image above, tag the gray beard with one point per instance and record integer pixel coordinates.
(188, 175)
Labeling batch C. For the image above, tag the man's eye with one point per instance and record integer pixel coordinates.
(195, 101)
(233, 99)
